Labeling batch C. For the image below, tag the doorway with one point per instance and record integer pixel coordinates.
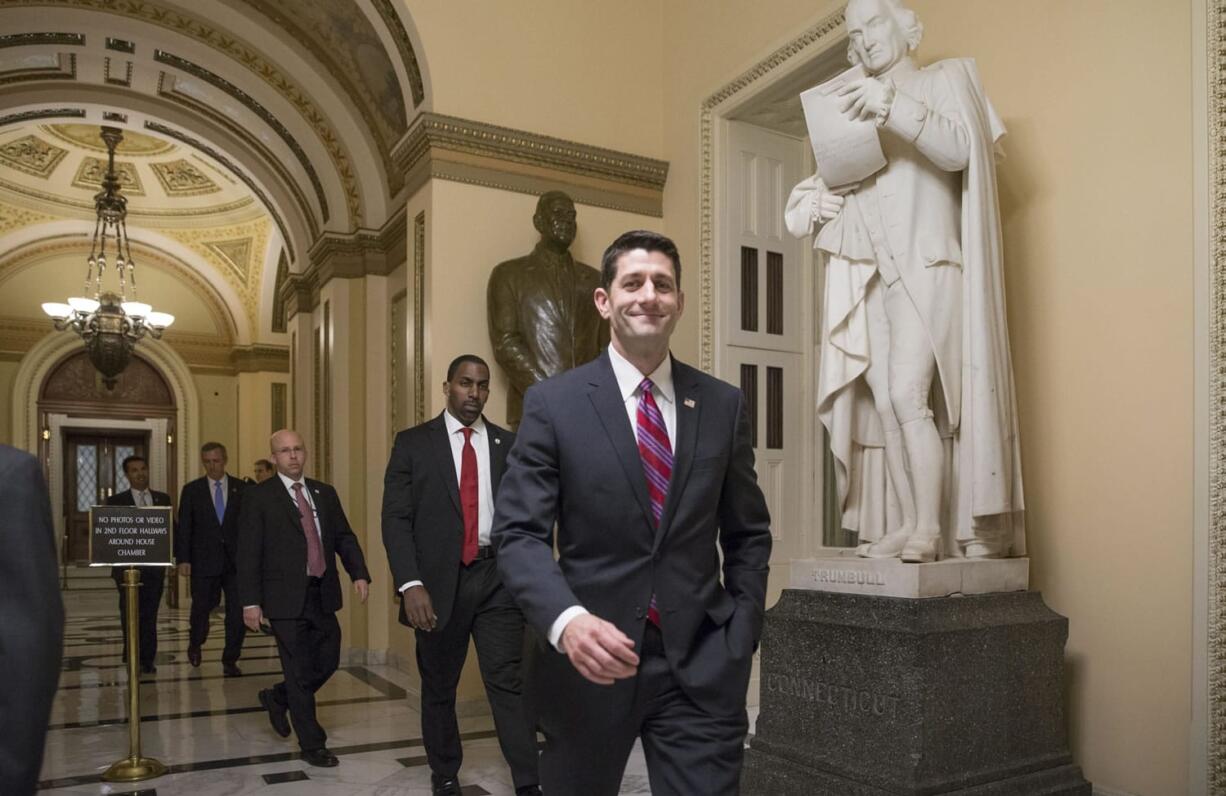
(93, 471)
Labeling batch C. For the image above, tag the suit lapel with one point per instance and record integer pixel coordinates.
(444, 461)
(231, 497)
(321, 517)
(498, 455)
(606, 398)
(688, 411)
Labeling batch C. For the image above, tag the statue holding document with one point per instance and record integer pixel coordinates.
(915, 385)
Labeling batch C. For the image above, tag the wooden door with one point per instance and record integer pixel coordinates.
(93, 471)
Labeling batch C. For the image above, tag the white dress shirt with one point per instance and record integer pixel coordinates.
(485, 489)
(628, 380)
(142, 498)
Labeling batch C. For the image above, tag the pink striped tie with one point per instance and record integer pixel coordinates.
(657, 456)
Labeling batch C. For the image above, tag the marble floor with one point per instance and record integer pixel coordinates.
(215, 738)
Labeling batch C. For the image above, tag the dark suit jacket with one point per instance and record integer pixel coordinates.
(423, 524)
(272, 549)
(209, 546)
(125, 498)
(33, 619)
(576, 459)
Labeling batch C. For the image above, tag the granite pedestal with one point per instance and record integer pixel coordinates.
(883, 696)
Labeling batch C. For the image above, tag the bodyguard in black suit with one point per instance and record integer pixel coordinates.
(152, 579)
(646, 466)
(291, 530)
(438, 500)
(206, 548)
(33, 613)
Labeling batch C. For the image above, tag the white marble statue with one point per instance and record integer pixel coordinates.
(915, 385)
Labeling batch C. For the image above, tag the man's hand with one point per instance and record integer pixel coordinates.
(185, 569)
(418, 608)
(600, 651)
(866, 98)
(362, 587)
(252, 617)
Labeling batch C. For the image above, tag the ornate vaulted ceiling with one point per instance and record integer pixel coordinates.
(252, 128)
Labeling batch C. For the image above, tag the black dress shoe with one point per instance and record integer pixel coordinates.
(320, 757)
(444, 786)
(231, 670)
(276, 714)
(528, 790)
(148, 668)
(193, 656)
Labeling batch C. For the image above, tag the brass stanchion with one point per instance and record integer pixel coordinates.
(133, 768)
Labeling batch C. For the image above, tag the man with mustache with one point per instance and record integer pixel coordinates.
(438, 506)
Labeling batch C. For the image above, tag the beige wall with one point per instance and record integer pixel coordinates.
(1096, 205)
(562, 68)
(218, 421)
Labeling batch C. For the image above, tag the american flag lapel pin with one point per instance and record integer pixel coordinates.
(690, 403)
(497, 440)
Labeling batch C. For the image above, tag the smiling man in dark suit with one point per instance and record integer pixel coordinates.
(291, 530)
(152, 579)
(646, 466)
(438, 506)
(207, 544)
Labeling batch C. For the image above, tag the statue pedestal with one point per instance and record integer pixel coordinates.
(880, 696)
(890, 577)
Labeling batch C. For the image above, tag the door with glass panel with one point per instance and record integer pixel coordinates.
(93, 471)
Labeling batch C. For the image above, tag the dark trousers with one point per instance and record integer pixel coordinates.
(148, 598)
(310, 649)
(688, 749)
(485, 611)
(206, 594)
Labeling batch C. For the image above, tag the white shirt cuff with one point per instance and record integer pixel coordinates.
(559, 624)
(410, 585)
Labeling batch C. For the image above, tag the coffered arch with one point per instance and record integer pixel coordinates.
(307, 125)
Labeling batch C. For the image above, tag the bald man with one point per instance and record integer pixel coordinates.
(291, 530)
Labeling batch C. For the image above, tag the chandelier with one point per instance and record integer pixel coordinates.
(110, 323)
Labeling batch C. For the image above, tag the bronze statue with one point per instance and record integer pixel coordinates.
(543, 320)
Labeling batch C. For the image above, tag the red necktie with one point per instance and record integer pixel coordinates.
(657, 455)
(468, 497)
(315, 548)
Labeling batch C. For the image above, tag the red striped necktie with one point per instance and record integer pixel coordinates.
(657, 456)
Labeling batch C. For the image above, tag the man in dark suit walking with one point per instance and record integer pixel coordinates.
(206, 547)
(152, 579)
(33, 616)
(646, 466)
(291, 530)
(438, 506)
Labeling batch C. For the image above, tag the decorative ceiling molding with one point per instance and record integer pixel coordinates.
(32, 155)
(351, 256)
(32, 39)
(249, 102)
(89, 136)
(462, 150)
(392, 20)
(343, 41)
(92, 170)
(42, 113)
(181, 178)
(235, 253)
(266, 155)
(60, 200)
(62, 66)
(252, 58)
(119, 45)
(195, 143)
